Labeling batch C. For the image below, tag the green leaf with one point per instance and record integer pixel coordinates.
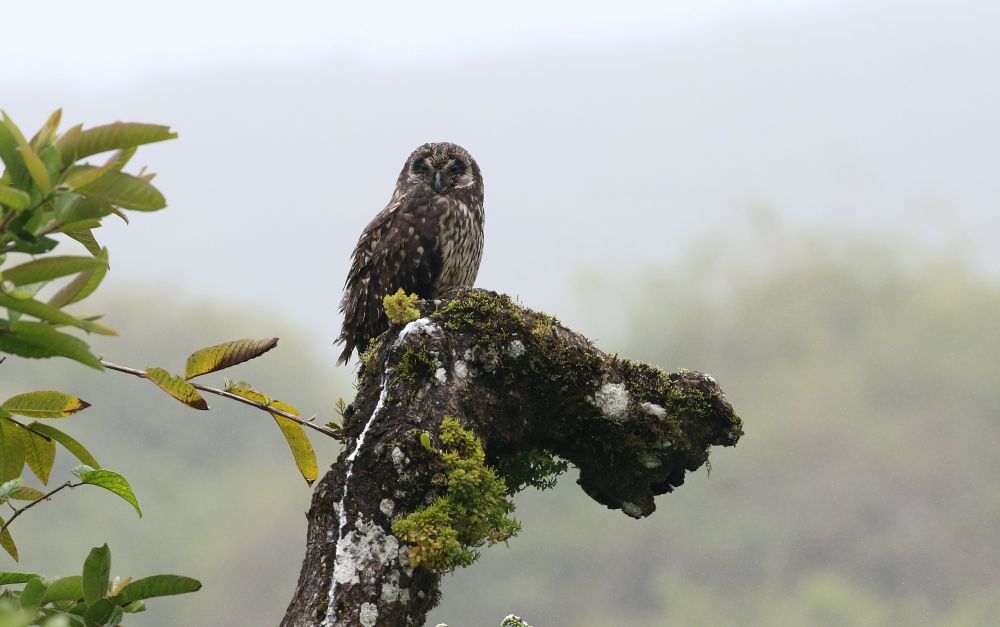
(51, 314)
(425, 440)
(78, 176)
(223, 356)
(8, 578)
(44, 404)
(125, 190)
(7, 542)
(83, 285)
(96, 573)
(112, 482)
(156, 586)
(14, 198)
(10, 139)
(64, 589)
(11, 450)
(76, 144)
(34, 590)
(35, 339)
(36, 168)
(48, 268)
(39, 453)
(67, 442)
(102, 613)
(86, 237)
(295, 435)
(177, 387)
(8, 488)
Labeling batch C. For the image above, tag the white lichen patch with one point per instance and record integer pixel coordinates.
(461, 370)
(612, 399)
(390, 588)
(632, 510)
(399, 460)
(515, 349)
(654, 410)
(362, 548)
(650, 461)
(387, 507)
(420, 326)
(368, 615)
(441, 375)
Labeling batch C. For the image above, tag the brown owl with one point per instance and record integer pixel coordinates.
(428, 239)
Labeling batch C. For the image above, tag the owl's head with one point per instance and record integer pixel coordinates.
(442, 167)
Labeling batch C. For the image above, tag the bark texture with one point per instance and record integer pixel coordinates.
(522, 383)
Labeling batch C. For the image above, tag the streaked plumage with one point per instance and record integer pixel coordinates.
(428, 239)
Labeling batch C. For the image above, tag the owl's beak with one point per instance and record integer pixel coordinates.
(438, 185)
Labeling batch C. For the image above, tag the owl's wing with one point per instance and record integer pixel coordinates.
(398, 249)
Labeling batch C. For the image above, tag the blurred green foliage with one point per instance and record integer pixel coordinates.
(864, 492)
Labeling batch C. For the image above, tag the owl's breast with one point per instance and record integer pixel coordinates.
(460, 240)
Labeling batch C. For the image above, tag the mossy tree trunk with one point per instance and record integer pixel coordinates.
(528, 389)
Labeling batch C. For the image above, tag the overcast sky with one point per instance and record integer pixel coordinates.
(112, 38)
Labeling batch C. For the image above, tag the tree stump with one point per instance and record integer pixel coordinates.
(532, 392)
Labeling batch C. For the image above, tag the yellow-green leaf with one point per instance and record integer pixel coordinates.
(295, 435)
(45, 134)
(67, 442)
(11, 450)
(76, 143)
(14, 198)
(39, 453)
(44, 404)
(177, 387)
(7, 542)
(225, 355)
(39, 173)
(48, 268)
(27, 493)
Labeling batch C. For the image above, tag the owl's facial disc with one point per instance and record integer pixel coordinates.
(440, 168)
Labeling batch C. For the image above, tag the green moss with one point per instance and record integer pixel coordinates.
(415, 366)
(399, 307)
(492, 317)
(473, 510)
(366, 357)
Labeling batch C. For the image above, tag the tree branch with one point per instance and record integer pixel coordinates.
(44, 497)
(527, 387)
(236, 397)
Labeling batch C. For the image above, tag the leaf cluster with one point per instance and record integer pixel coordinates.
(46, 190)
(91, 599)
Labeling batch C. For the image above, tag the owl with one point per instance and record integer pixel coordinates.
(428, 239)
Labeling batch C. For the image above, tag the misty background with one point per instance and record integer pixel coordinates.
(798, 197)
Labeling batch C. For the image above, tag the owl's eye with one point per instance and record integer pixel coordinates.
(456, 168)
(420, 167)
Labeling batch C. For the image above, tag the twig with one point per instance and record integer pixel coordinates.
(236, 397)
(44, 497)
